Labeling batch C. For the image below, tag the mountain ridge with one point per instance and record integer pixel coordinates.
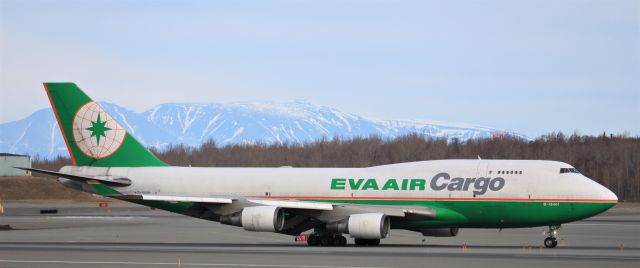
(232, 123)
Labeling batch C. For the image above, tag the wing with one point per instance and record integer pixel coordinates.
(297, 215)
(292, 204)
(245, 202)
(322, 212)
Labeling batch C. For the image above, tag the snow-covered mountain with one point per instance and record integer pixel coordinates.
(195, 123)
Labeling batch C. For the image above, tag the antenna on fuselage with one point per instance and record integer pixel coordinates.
(479, 157)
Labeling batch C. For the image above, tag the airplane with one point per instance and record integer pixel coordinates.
(435, 198)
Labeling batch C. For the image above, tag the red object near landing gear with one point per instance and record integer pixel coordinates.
(302, 238)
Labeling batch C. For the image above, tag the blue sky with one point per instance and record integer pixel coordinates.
(529, 66)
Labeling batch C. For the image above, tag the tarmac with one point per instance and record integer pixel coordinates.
(126, 235)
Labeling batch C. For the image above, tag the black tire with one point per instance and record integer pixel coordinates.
(313, 240)
(326, 241)
(339, 241)
(367, 242)
(550, 242)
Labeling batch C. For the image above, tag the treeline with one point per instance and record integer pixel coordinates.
(613, 161)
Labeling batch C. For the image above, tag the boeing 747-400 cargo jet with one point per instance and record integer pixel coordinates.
(434, 198)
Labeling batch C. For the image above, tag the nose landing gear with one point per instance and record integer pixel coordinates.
(550, 242)
(552, 236)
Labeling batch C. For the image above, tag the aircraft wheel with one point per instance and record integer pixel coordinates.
(313, 240)
(367, 242)
(339, 241)
(326, 241)
(550, 242)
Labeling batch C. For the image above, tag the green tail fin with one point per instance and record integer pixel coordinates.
(93, 137)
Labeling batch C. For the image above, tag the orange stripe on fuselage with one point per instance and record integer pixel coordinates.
(55, 111)
(441, 198)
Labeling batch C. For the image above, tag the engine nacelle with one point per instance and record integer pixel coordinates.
(440, 232)
(368, 225)
(262, 219)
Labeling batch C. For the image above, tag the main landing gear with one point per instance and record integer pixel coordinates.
(366, 242)
(328, 240)
(552, 236)
(337, 240)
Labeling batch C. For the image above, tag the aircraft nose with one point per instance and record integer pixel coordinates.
(603, 193)
(610, 195)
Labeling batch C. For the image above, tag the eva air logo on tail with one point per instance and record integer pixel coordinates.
(95, 133)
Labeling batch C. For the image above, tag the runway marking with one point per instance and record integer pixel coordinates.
(184, 264)
(582, 257)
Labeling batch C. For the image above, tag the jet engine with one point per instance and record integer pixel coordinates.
(440, 232)
(257, 219)
(363, 226)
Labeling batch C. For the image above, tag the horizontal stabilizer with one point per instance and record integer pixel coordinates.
(82, 179)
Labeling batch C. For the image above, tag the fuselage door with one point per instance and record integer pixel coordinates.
(483, 169)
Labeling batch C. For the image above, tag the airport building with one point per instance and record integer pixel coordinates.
(8, 161)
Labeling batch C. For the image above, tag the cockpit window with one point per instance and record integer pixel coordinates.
(569, 170)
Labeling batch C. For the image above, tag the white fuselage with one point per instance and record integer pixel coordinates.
(521, 179)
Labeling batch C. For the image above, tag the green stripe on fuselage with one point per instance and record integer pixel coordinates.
(490, 214)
